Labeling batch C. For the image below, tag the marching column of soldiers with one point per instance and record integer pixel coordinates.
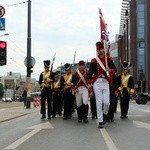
(97, 88)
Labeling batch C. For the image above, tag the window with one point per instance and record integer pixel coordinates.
(140, 29)
(141, 45)
(141, 22)
(140, 6)
(140, 36)
(140, 14)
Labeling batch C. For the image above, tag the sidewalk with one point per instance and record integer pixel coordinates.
(11, 110)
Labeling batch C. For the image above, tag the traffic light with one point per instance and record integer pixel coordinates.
(29, 71)
(3, 53)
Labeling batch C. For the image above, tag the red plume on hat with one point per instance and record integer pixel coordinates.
(99, 45)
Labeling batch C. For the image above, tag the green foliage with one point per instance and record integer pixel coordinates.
(1, 91)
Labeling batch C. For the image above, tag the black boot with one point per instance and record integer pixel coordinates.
(79, 113)
(85, 113)
(104, 119)
(100, 125)
(43, 117)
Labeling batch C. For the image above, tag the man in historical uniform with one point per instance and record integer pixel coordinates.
(98, 75)
(113, 84)
(46, 80)
(66, 84)
(126, 88)
(80, 89)
(57, 95)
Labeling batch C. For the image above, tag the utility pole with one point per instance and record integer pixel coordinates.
(29, 65)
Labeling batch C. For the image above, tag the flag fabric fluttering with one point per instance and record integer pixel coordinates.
(103, 28)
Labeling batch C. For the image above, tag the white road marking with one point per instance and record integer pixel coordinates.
(35, 128)
(142, 124)
(145, 110)
(110, 144)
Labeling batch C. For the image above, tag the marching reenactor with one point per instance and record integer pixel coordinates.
(116, 95)
(100, 68)
(126, 88)
(80, 89)
(46, 80)
(57, 96)
(93, 106)
(113, 84)
(66, 84)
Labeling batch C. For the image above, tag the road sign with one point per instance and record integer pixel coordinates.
(2, 11)
(2, 23)
(32, 61)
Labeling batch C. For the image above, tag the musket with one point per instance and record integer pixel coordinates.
(50, 72)
(60, 73)
(52, 64)
(74, 58)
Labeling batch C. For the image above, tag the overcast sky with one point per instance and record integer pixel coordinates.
(57, 26)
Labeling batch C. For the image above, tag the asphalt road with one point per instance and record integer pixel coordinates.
(30, 132)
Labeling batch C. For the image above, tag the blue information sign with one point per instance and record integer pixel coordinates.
(2, 23)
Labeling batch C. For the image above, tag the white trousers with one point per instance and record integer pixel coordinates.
(102, 96)
(82, 96)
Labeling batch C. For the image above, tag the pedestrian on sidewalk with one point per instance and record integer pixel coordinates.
(24, 97)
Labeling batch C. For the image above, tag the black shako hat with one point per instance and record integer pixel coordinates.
(46, 63)
(99, 45)
(56, 74)
(125, 65)
(67, 66)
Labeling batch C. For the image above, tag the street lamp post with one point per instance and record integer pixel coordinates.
(28, 77)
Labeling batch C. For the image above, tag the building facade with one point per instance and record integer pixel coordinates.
(133, 40)
(14, 85)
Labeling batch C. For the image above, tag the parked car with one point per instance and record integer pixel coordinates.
(142, 98)
(7, 99)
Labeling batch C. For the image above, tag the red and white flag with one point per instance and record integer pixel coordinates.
(103, 27)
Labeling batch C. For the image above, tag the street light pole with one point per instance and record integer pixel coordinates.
(29, 39)
(28, 77)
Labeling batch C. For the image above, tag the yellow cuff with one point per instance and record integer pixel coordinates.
(119, 88)
(43, 84)
(132, 91)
